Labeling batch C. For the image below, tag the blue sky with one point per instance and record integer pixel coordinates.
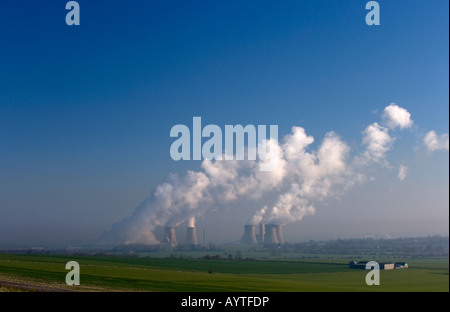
(85, 111)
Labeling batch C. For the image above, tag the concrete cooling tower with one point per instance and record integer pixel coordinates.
(262, 230)
(191, 236)
(279, 230)
(170, 237)
(249, 235)
(271, 234)
(268, 234)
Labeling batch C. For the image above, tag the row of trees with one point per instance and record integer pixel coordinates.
(411, 246)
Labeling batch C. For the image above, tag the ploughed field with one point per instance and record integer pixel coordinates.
(48, 273)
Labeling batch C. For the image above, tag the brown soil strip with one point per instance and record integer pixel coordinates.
(31, 287)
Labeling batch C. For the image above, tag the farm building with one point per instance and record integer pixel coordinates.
(362, 265)
(400, 265)
(386, 266)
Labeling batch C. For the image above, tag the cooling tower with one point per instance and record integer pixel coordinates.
(279, 230)
(271, 234)
(170, 237)
(249, 235)
(261, 233)
(191, 236)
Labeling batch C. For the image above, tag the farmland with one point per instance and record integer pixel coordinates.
(119, 273)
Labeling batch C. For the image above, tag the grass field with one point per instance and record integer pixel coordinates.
(152, 274)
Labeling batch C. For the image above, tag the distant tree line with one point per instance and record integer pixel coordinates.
(432, 246)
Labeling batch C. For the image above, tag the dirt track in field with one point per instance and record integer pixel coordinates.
(31, 287)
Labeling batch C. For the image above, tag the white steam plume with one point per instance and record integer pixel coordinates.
(182, 198)
(191, 222)
(303, 177)
(318, 175)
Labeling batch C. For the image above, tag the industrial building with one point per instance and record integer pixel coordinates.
(170, 238)
(268, 234)
(400, 265)
(191, 236)
(362, 265)
(249, 236)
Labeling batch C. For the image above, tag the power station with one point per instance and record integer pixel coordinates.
(191, 236)
(249, 235)
(268, 234)
(170, 238)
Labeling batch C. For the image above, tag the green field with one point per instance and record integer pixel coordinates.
(153, 274)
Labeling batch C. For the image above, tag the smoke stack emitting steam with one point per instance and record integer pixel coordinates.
(279, 231)
(249, 235)
(170, 237)
(262, 230)
(191, 236)
(191, 233)
(271, 234)
(302, 179)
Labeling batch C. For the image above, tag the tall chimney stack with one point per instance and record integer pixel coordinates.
(279, 230)
(249, 235)
(271, 234)
(191, 236)
(170, 237)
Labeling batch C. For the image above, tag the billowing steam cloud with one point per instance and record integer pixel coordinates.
(303, 178)
(183, 198)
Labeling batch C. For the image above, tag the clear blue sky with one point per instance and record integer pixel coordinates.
(85, 111)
